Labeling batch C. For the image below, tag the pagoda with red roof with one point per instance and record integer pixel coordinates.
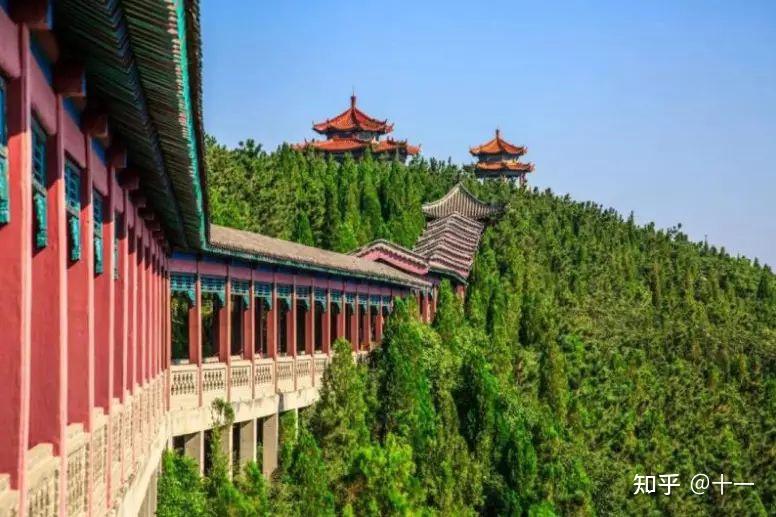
(353, 131)
(498, 158)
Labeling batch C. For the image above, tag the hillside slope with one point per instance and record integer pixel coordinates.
(589, 350)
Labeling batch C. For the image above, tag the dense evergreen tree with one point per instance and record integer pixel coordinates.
(588, 350)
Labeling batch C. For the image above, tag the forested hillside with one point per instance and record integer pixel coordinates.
(588, 350)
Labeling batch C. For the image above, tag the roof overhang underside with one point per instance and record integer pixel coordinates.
(142, 59)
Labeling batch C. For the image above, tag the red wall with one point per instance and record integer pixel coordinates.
(71, 339)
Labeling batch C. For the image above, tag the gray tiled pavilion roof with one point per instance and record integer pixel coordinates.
(460, 200)
(262, 247)
(450, 243)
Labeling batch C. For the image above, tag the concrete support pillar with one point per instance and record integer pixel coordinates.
(247, 434)
(269, 460)
(194, 447)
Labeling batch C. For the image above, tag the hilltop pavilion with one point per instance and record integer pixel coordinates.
(498, 158)
(353, 131)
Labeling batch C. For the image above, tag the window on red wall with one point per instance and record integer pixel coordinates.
(73, 209)
(5, 204)
(39, 185)
(98, 211)
(118, 234)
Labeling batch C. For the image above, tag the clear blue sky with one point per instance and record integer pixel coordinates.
(663, 108)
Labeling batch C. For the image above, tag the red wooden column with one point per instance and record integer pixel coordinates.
(129, 286)
(224, 354)
(151, 301)
(379, 321)
(109, 230)
(143, 305)
(309, 323)
(156, 329)
(103, 313)
(291, 324)
(249, 325)
(424, 308)
(49, 317)
(168, 328)
(161, 349)
(120, 294)
(150, 312)
(326, 329)
(132, 291)
(366, 324)
(354, 325)
(152, 328)
(81, 309)
(272, 324)
(16, 272)
(341, 318)
(195, 325)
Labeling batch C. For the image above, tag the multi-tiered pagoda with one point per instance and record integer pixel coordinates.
(353, 131)
(498, 158)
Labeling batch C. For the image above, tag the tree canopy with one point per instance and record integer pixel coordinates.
(588, 350)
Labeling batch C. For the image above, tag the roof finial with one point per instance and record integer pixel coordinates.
(353, 98)
(498, 132)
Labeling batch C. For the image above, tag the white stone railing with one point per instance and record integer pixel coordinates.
(42, 482)
(99, 461)
(184, 385)
(127, 438)
(115, 449)
(240, 374)
(284, 375)
(213, 382)
(263, 378)
(320, 362)
(304, 372)
(9, 499)
(193, 386)
(102, 464)
(77, 470)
